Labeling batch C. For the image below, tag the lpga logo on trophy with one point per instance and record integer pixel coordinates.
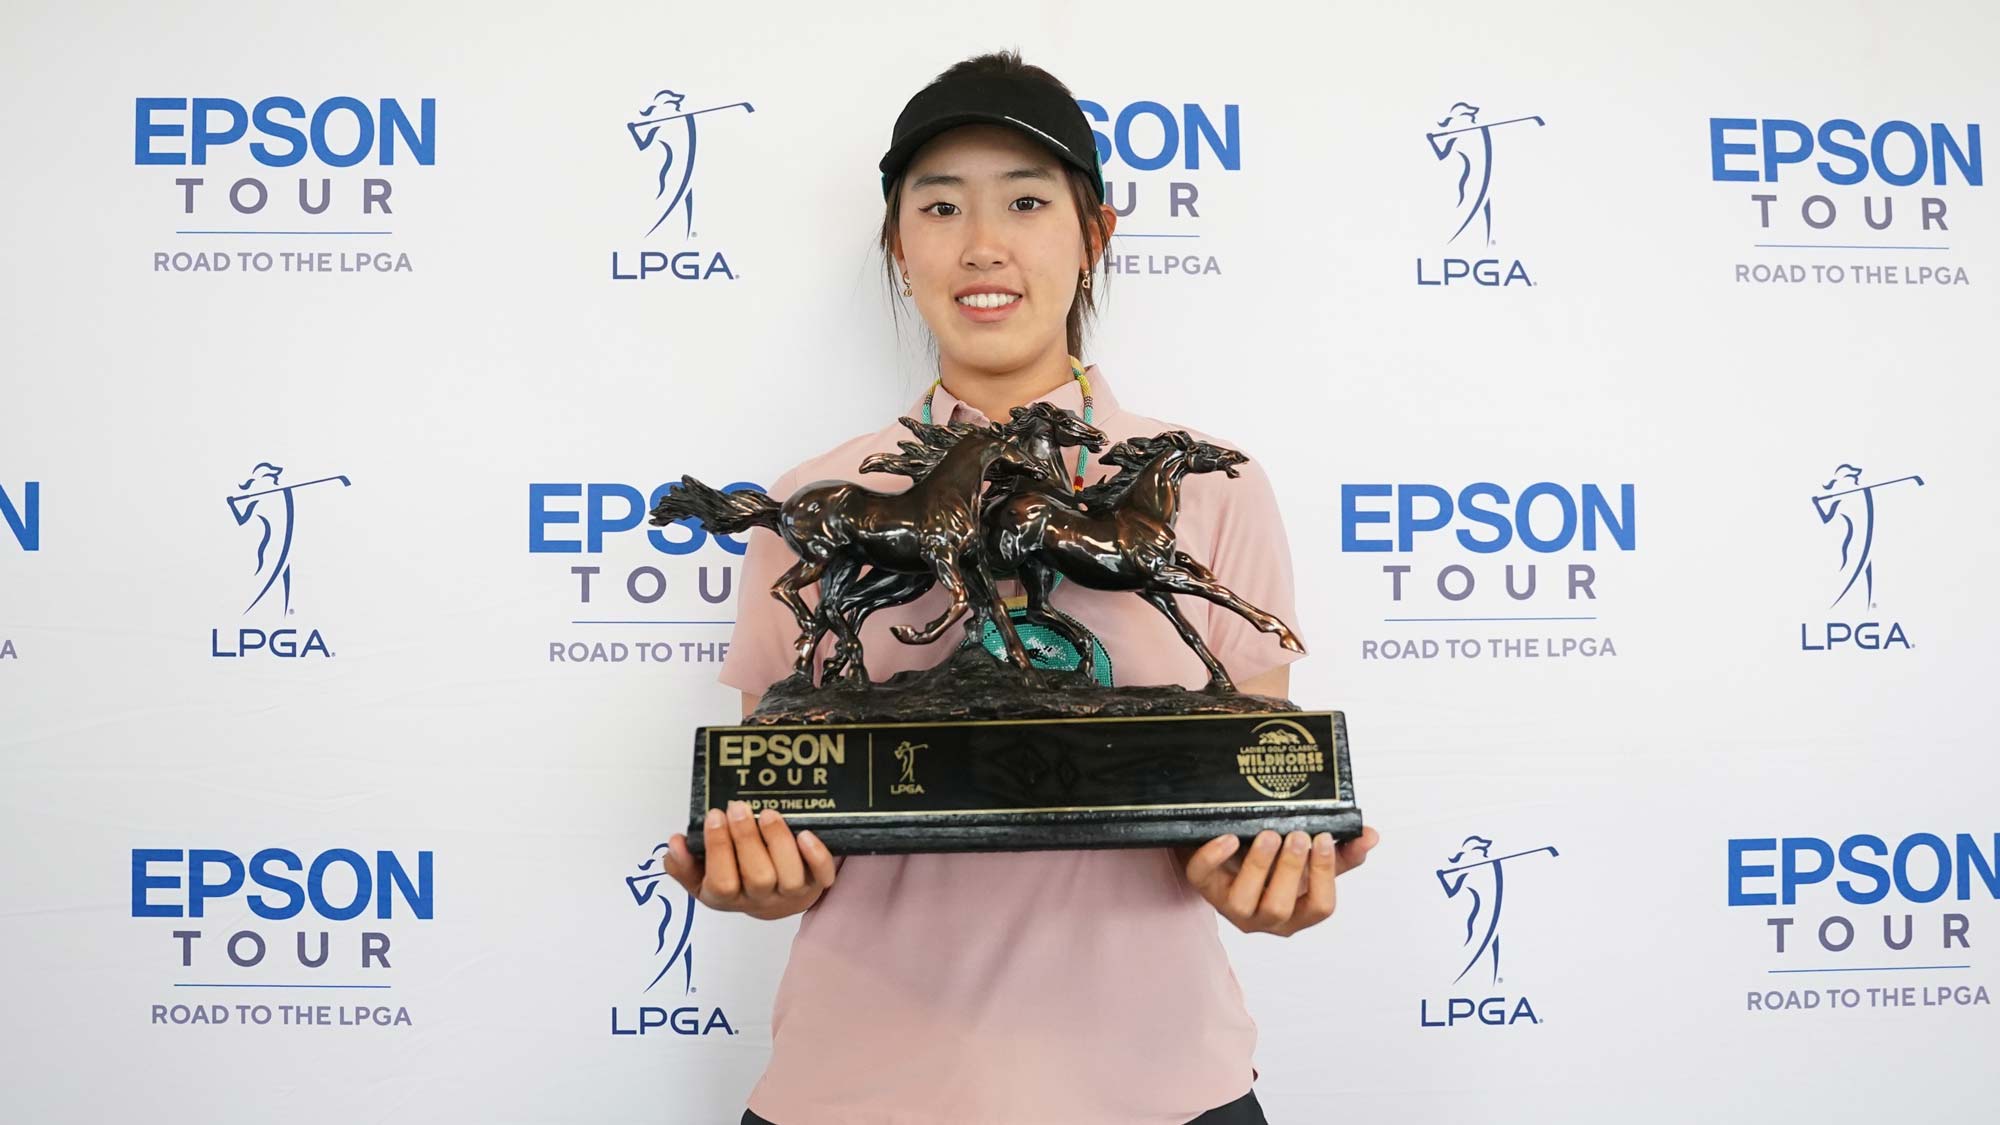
(1475, 879)
(1846, 508)
(268, 510)
(1462, 143)
(665, 132)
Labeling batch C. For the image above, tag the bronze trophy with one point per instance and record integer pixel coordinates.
(980, 754)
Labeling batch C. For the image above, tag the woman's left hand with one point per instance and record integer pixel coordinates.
(1280, 886)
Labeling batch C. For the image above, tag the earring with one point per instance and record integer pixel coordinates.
(1086, 279)
(906, 284)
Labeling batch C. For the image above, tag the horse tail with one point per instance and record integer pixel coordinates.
(722, 513)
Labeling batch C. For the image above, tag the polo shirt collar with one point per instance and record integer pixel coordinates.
(946, 407)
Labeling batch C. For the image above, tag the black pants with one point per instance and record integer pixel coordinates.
(1242, 1111)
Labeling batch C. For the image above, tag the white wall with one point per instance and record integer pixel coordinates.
(138, 399)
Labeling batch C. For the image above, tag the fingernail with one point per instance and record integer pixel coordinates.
(1297, 843)
(1323, 844)
(807, 839)
(739, 810)
(1267, 841)
(713, 819)
(766, 816)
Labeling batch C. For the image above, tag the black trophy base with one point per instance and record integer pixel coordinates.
(1035, 784)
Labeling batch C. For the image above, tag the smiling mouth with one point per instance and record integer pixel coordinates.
(988, 300)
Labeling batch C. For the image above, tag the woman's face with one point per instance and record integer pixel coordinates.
(989, 237)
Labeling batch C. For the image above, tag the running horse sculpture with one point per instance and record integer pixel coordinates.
(1118, 534)
(870, 550)
(926, 535)
(1016, 752)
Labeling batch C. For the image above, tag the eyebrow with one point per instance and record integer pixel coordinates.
(941, 179)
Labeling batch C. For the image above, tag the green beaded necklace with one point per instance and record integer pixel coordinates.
(1047, 648)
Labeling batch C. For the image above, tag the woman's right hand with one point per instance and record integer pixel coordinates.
(754, 865)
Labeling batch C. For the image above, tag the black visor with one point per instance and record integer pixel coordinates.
(1035, 108)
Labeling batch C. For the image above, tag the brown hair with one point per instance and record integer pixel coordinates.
(1082, 192)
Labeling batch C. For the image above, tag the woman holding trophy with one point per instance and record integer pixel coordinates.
(1025, 986)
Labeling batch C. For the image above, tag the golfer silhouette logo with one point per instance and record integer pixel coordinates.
(1846, 499)
(665, 126)
(906, 757)
(1476, 872)
(645, 888)
(1461, 135)
(270, 504)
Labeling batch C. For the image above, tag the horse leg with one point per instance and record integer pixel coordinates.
(988, 592)
(838, 592)
(1187, 576)
(803, 574)
(1218, 680)
(847, 661)
(1040, 581)
(945, 567)
(881, 589)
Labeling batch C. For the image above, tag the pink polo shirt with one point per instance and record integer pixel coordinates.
(1026, 988)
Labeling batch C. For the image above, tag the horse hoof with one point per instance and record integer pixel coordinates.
(1290, 643)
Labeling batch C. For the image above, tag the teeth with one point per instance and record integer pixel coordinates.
(988, 300)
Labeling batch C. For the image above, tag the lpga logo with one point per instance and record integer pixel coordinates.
(1478, 875)
(1847, 506)
(667, 133)
(1465, 145)
(645, 888)
(670, 948)
(267, 507)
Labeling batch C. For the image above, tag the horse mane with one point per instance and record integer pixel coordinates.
(1063, 426)
(1131, 456)
(919, 457)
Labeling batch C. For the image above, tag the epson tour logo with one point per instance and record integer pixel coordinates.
(337, 912)
(267, 511)
(1473, 878)
(1157, 159)
(21, 516)
(1847, 509)
(1463, 145)
(1486, 570)
(639, 594)
(285, 173)
(664, 136)
(1841, 201)
(1911, 945)
(671, 912)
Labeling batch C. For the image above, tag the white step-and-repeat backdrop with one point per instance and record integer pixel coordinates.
(1626, 378)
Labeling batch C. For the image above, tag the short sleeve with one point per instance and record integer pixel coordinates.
(1252, 557)
(761, 646)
